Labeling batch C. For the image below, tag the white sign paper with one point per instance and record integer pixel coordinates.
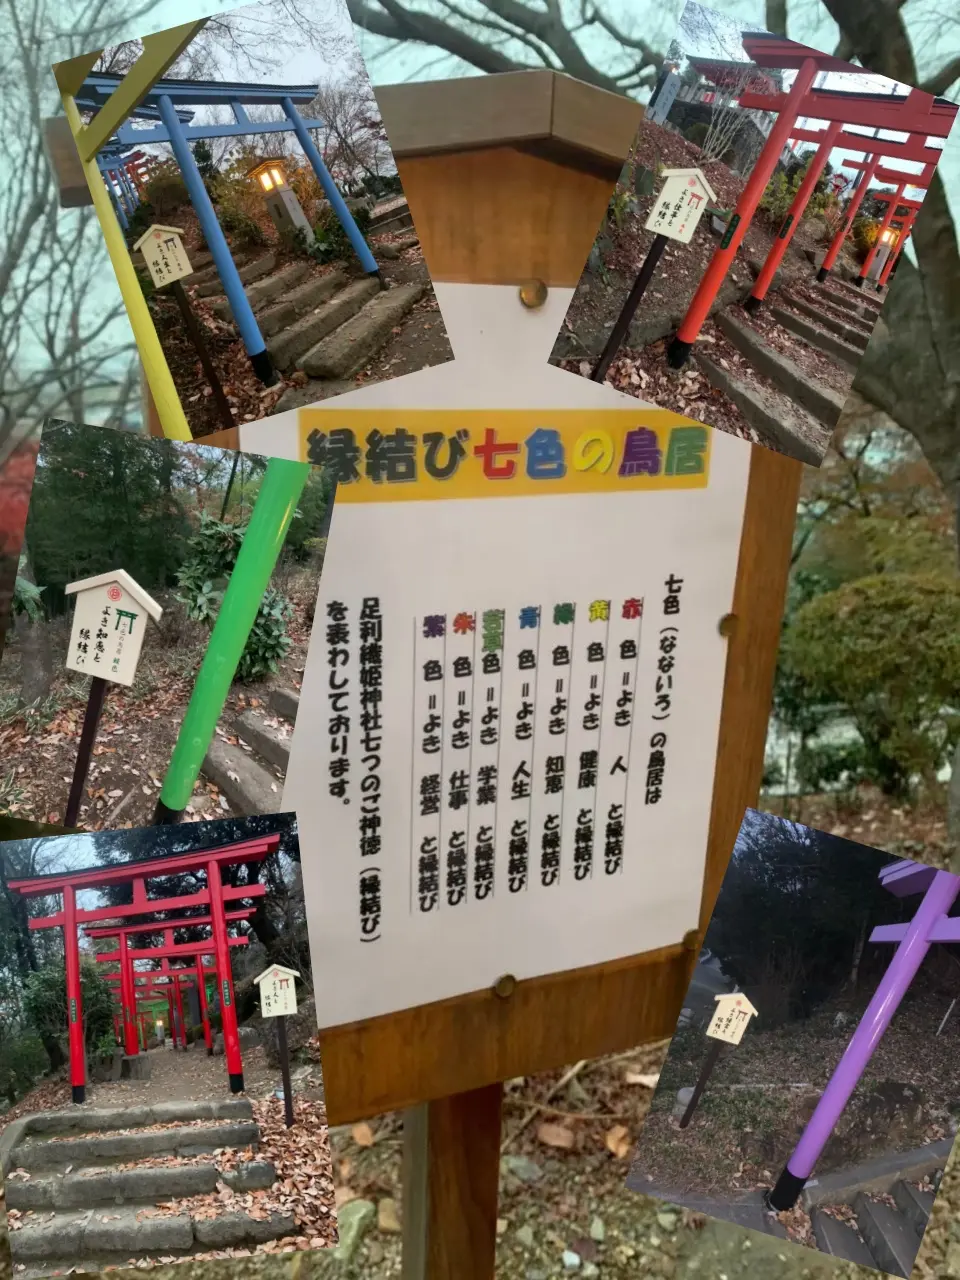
(443, 845)
(680, 204)
(278, 993)
(164, 254)
(109, 624)
(731, 1017)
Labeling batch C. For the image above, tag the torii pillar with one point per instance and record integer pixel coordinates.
(915, 938)
(853, 208)
(884, 225)
(228, 1010)
(891, 262)
(679, 349)
(71, 950)
(792, 220)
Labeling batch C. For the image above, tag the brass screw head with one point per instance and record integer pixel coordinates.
(691, 940)
(727, 625)
(504, 987)
(533, 294)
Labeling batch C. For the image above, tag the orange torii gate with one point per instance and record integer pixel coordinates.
(894, 200)
(913, 113)
(830, 139)
(66, 885)
(125, 958)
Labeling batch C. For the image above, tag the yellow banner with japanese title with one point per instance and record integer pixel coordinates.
(382, 455)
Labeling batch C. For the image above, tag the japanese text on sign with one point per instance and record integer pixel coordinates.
(398, 460)
(730, 1018)
(680, 205)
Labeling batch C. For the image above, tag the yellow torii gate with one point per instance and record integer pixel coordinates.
(159, 52)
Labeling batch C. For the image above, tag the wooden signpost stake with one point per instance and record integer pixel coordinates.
(168, 264)
(730, 1020)
(508, 178)
(675, 215)
(278, 999)
(109, 624)
(91, 719)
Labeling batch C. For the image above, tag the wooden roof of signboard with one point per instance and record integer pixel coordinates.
(125, 581)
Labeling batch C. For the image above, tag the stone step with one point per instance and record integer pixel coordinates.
(248, 786)
(846, 302)
(349, 348)
(839, 1239)
(299, 302)
(396, 222)
(149, 1184)
(823, 402)
(879, 1175)
(103, 1119)
(837, 349)
(289, 345)
(99, 1149)
(392, 251)
(267, 289)
(796, 432)
(284, 702)
(865, 293)
(270, 742)
(137, 1233)
(856, 332)
(888, 1235)
(914, 1204)
(248, 274)
(313, 391)
(381, 216)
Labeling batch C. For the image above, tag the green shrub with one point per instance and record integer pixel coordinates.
(825, 764)
(45, 1001)
(864, 233)
(697, 134)
(203, 578)
(165, 190)
(23, 1060)
(244, 231)
(269, 642)
(330, 243)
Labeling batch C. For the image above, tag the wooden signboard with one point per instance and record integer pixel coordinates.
(508, 177)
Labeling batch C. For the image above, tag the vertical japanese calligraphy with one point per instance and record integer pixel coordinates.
(543, 580)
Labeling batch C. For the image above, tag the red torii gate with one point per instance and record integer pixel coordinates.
(160, 991)
(125, 957)
(916, 112)
(214, 895)
(894, 200)
(829, 139)
(190, 951)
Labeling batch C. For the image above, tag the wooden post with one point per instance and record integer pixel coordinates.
(199, 343)
(91, 718)
(709, 1062)
(285, 1071)
(508, 178)
(629, 308)
(451, 1165)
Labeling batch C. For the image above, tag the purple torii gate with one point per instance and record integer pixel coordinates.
(931, 923)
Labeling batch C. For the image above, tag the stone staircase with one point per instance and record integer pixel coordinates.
(884, 1209)
(327, 325)
(784, 402)
(250, 771)
(85, 1198)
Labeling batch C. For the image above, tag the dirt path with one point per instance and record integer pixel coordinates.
(186, 1075)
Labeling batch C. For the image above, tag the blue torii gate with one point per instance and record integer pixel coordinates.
(167, 105)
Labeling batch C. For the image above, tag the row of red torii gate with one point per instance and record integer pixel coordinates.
(170, 967)
(916, 116)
